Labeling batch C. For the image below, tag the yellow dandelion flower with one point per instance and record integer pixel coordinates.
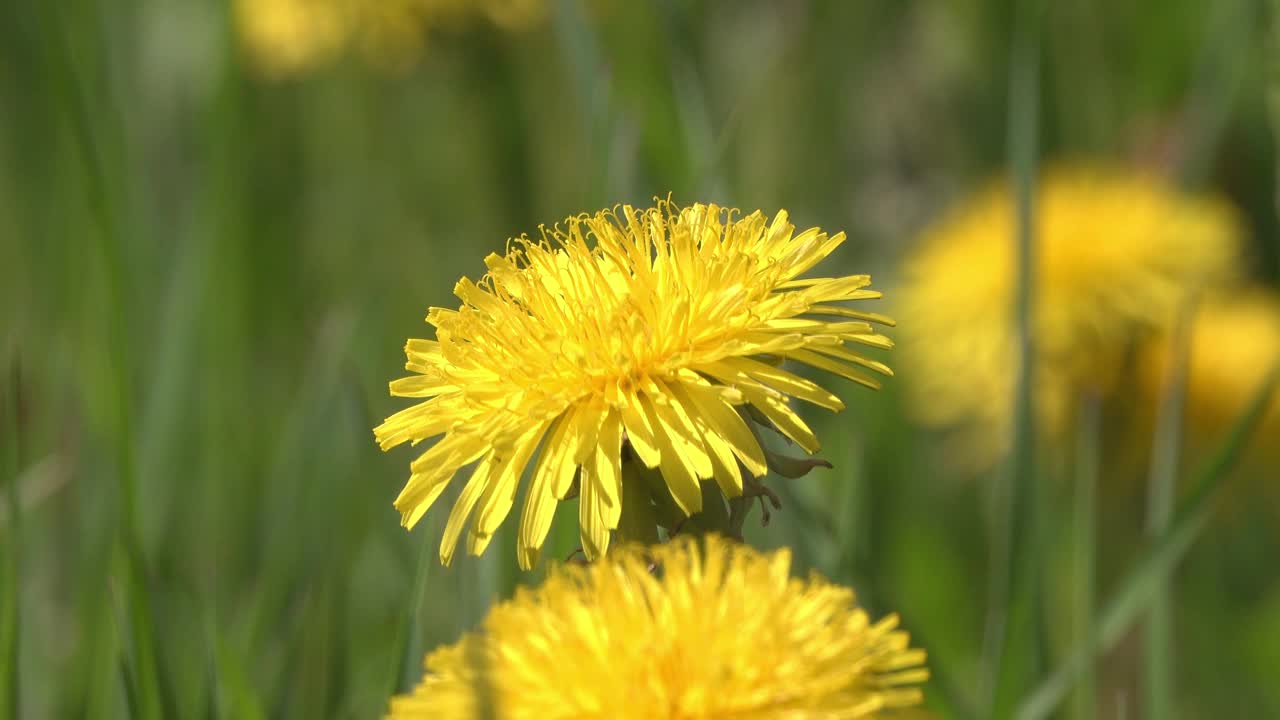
(286, 36)
(1116, 254)
(651, 328)
(1234, 345)
(682, 630)
(290, 36)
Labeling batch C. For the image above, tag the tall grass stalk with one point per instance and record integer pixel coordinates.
(408, 669)
(11, 433)
(581, 52)
(1013, 583)
(1273, 103)
(1158, 646)
(1219, 72)
(1084, 554)
(1139, 587)
(106, 208)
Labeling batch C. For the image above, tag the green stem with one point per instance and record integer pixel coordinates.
(1218, 75)
(10, 596)
(639, 522)
(739, 508)
(408, 668)
(1013, 578)
(1138, 588)
(1088, 440)
(666, 511)
(1273, 107)
(1165, 450)
(714, 517)
(581, 51)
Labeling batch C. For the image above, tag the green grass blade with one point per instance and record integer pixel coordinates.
(1219, 74)
(234, 689)
(1140, 586)
(581, 51)
(130, 685)
(139, 644)
(408, 665)
(10, 575)
(1084, 555)
(122, 617)
(1273, 101)
(10, 622)
(1166, 449)
(100, 675)
(478, 659)
(1013, 583)
(74, 99)
(213, 683)
(943, 691)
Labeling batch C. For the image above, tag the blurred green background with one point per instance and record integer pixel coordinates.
(208, 270)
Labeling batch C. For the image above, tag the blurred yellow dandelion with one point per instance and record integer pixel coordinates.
(1234, 345)
(1117, 252)
(290, 36)
(681, 630)
(651, 328)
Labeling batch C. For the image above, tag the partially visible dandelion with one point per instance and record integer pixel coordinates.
(652, 334)
(1234, 345)
(1117, 253)
(690, 629)
(289, 36)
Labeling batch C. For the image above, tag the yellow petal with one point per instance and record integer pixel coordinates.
(856, 314)
(461, 509)
(419, 422)
(420, 507)
(608, 469)
(594, 534)
(724, 468)
(843, 353)
(677, 423)
(499, 496)
(429, 480)
(813, 252)
(677, 467)
(540, 499)
(566, 463)
(783, 417)
(841, 288)
(825, 363)
(639, 431)
(727, 370)
(729, 425)
(586, 429)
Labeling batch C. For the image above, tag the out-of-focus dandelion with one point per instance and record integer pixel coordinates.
(690, 629)
(1234, 345)
(634, 342)
(1117, 253)
(289, 36)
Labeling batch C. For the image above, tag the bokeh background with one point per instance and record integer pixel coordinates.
(220, 220)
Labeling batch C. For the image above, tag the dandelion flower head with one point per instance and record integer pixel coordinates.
(1116, 253)
(1234, 346)
(290, 36)
(653, 330)
(674, 631)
